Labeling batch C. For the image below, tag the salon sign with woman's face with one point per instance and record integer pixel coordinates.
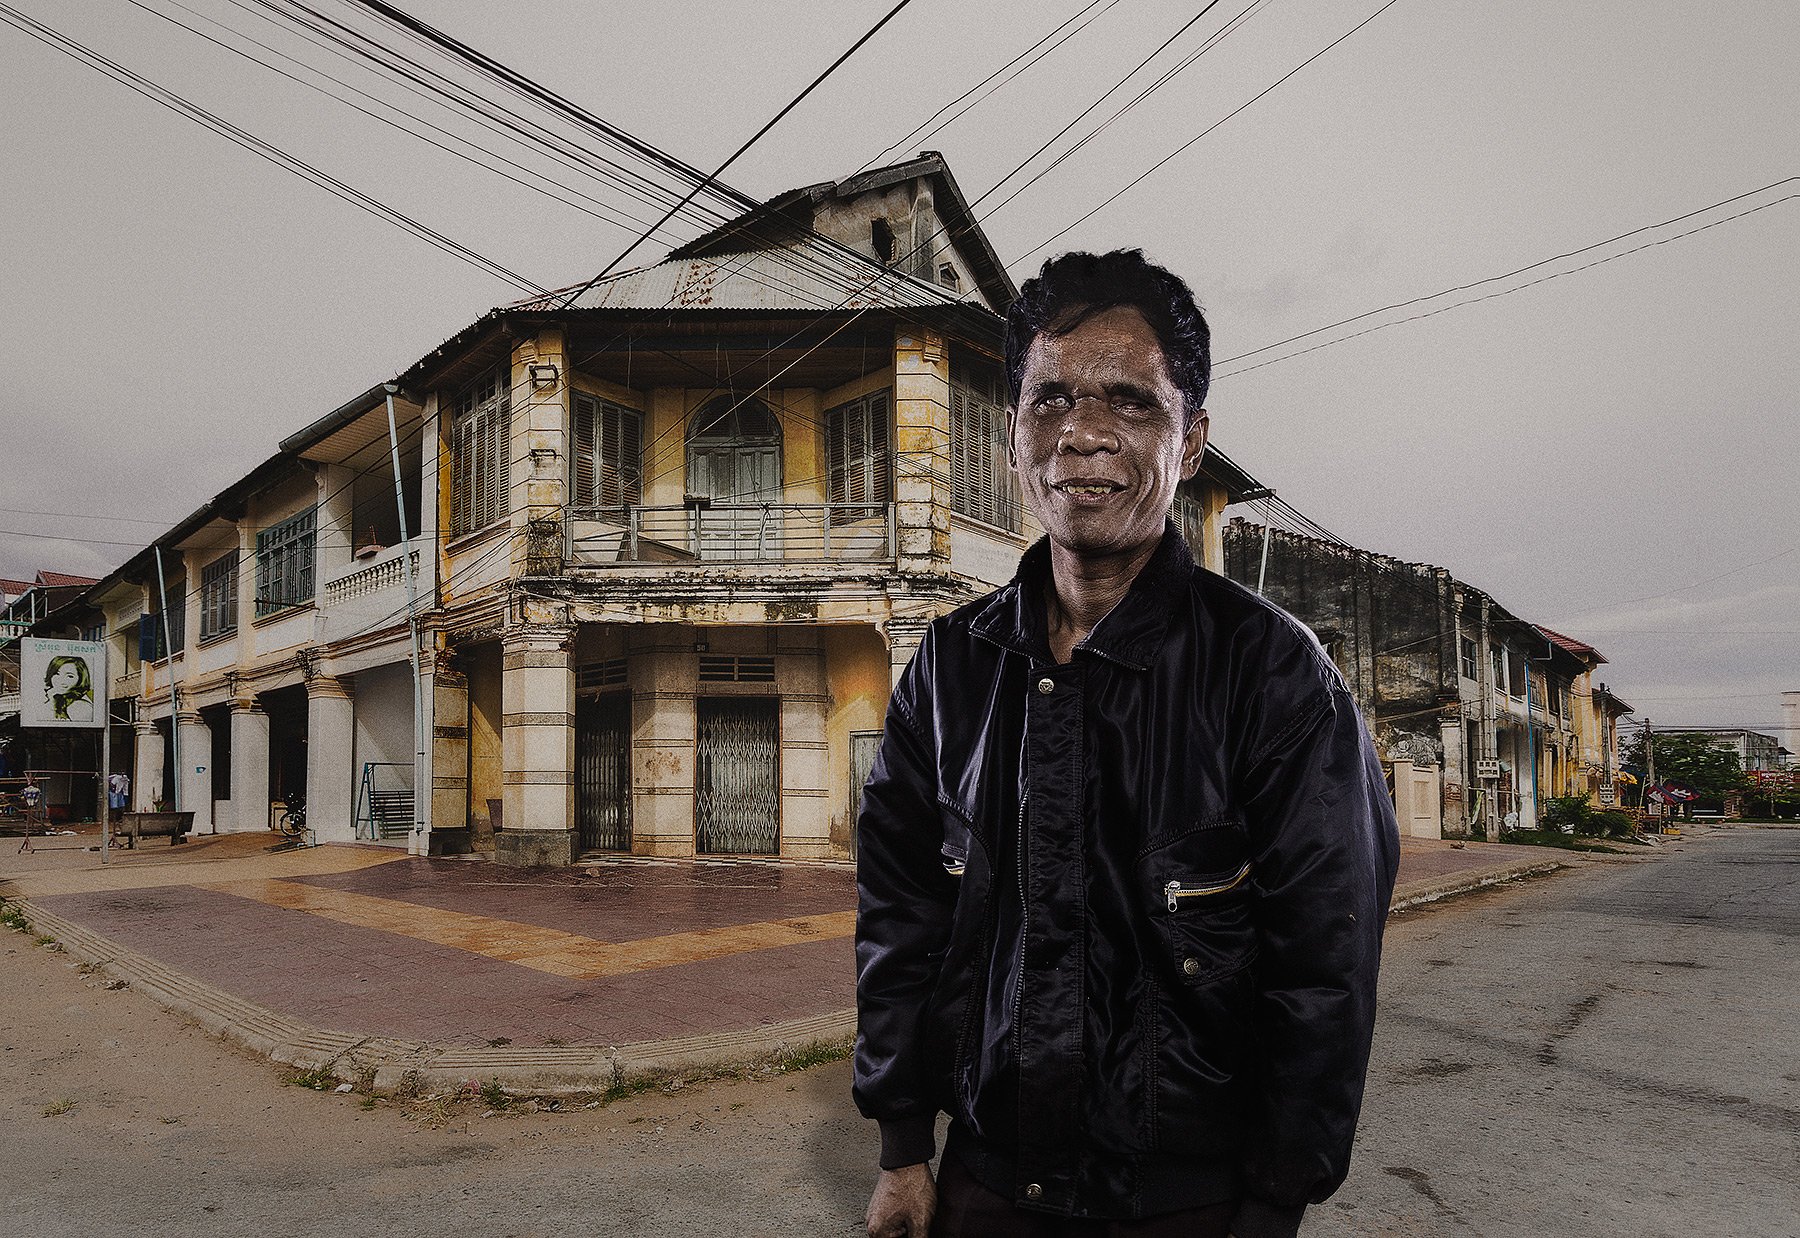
(62, 683)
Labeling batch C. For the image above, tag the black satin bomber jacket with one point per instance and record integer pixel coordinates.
(1190, 956)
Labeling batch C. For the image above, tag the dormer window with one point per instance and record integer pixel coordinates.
(881, 240)
(948, 278)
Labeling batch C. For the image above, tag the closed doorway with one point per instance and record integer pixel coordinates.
(863, 747)
(737, 775)
(603, 771)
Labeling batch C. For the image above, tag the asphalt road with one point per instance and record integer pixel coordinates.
(1613, 1051)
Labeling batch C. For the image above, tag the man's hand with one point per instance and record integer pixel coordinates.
(903, 1203)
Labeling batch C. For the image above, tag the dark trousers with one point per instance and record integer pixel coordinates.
(967, 1209)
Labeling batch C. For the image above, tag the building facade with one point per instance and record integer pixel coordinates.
(1478, 714)
(671, 535)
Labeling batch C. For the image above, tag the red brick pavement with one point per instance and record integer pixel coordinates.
(353, 978)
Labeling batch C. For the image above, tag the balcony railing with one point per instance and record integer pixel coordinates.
(387, 570)
(698, 533)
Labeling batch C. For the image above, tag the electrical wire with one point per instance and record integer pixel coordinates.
(926, 124)
(1543, 279)
(273, 154)
(733, 158)
(1155, 167)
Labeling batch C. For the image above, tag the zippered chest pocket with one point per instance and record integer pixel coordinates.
(1201, 893)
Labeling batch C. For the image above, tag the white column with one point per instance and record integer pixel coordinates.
(249, 766)
(330, 757)
(904, 633)
(195, 774)
(446, 697)
(537, 746)
(147, 772)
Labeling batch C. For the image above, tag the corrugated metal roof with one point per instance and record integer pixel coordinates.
(811, 274)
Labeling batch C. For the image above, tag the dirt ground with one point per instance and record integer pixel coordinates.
(122, 1118)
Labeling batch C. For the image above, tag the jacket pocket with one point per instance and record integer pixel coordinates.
(1200, 890)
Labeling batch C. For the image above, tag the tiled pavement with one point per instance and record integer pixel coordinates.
(458, 959)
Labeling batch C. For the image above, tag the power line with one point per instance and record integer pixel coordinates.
(733, 158)
(924, 131)
(1544, 279)
(1153, 168)
(1207, 45)
(256, 146)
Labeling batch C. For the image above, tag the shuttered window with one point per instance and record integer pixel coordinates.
(480, 452)
(982, 484)
(170, 636)
(857, 462)
(219, 596)
(609, 465)
(284, 563)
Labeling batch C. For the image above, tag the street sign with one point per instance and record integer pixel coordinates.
(1608, 796)
(1487, 769)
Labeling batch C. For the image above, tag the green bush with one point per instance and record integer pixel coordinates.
(1611, 823)
(1570, 814)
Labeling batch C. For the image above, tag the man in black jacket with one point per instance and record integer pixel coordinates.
(1126, 852)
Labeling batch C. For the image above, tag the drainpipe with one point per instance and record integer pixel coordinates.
(420, 791)
(162, 588)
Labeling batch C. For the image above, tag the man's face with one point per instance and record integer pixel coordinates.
(1100, 435)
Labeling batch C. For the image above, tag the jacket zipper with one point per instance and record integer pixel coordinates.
(1024, 926)
(1177, 890)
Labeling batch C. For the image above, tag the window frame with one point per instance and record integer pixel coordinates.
(286, 563)
(982, 485)
(480, 452)
(219, 596)
(859, 458)
(606, 469)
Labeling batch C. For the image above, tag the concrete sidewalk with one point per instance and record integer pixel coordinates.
(350, 958)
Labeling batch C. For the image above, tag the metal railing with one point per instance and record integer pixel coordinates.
(702, 532)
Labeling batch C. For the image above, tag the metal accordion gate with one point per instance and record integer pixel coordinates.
(603, 771)
(737, 777)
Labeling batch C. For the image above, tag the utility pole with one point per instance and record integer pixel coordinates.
(1649, 761)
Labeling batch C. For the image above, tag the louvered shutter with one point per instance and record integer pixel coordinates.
(587, 451)
(880, 413)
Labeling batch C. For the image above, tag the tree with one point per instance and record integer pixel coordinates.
(1691, 759)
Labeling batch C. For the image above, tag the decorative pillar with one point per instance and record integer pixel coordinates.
(921, 451)
(147, 769)
(904, 634)
(195, 773)
(1456, 778)
(537, 746)
(446, 697)
(805, 795)
(249, 765)
(330, 759)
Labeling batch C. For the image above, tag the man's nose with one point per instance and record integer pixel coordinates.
(1088, 428)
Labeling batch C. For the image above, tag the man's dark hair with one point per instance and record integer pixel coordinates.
(1072, 288)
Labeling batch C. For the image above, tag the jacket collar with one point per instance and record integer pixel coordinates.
(1130, 634)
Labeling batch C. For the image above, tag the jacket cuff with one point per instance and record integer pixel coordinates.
(908, 1141)
(1258, 1218)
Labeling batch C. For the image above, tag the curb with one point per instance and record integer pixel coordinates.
(1432, 889)
(545, 1071)
(548, 1071)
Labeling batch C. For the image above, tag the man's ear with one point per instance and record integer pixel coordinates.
(1193, 446)
(1012, 417)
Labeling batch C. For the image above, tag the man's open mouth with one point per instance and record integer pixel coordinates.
(1089, 487)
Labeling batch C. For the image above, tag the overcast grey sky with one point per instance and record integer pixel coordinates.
(1612, 452)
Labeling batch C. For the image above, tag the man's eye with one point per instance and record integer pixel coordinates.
(1054, 402)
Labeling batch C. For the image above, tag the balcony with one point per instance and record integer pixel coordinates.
(366, 594)
(701, 533)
